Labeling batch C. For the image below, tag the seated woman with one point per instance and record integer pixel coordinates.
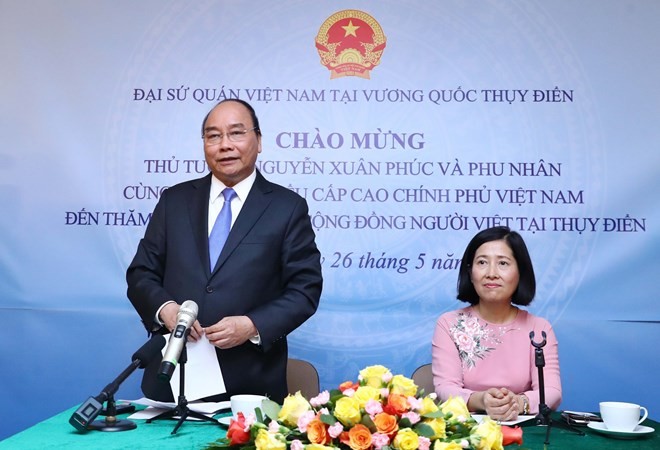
(483, 352)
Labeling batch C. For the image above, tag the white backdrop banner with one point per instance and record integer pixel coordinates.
(407, 126)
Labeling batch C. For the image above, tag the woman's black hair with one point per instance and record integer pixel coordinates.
(524, 293)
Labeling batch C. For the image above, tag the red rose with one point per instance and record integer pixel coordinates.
(511, 435)
(348, 385)
(236, 432)
(397, 404)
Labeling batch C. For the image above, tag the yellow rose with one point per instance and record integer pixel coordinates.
(294, 406)
(347, 411)
(456, 406)
(438, 426)
(318, 447)
(428, 406)
(373, 376)
(365, 393)
(447, 446)
(406, 439)
(403, 385)
(489, 433)
(268, 441)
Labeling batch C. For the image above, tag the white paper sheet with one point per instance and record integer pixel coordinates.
(202, 372)
(520, 419)
(154, 408)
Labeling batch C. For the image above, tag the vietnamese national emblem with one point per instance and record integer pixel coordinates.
(350, 43)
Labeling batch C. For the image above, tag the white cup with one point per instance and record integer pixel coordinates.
(620, 416)
(245, 403)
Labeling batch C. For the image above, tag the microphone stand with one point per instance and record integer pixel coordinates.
(543, 417)
(83, 418)
(111, 423)
(181, 408)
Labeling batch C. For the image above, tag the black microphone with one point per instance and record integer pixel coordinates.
(91, 408)
(184, 320)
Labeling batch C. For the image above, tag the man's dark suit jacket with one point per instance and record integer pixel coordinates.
(269, 270)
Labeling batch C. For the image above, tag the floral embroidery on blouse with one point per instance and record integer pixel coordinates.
(474, 340)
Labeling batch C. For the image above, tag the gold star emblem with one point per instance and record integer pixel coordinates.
(350, 29)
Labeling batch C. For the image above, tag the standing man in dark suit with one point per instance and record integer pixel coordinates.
(266, 280)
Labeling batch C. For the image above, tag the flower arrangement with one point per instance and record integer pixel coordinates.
(380, 411)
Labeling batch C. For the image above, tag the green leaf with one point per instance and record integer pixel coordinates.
(328, 419)
(405, 423)
(425, 430)
(367, 422)
(270, 408)
(222, 443)
(335, 395)
(296, 434)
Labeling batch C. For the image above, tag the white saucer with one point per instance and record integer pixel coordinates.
(640, 431)
(225, 420)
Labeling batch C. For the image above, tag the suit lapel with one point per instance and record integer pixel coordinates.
(256, 203)
(198, 210)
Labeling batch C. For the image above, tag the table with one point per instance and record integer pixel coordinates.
(561, 439)
(57, 433)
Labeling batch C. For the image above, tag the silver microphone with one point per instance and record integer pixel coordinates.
(184, 320)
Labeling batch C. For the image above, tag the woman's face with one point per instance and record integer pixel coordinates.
(494, 272)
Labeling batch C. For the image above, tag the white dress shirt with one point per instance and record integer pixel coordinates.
(216, 199)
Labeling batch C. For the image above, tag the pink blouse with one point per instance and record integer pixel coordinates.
(470, 354)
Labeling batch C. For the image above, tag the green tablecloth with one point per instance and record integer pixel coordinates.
(57, 433)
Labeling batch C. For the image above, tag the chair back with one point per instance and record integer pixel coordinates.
(423, 378)
(302, 376)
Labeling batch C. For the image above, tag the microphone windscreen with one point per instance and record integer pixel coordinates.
(149, 350)
(190, 308)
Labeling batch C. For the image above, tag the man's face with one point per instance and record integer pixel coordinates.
(229, 161)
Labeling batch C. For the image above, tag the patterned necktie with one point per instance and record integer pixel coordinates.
(221, 228)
